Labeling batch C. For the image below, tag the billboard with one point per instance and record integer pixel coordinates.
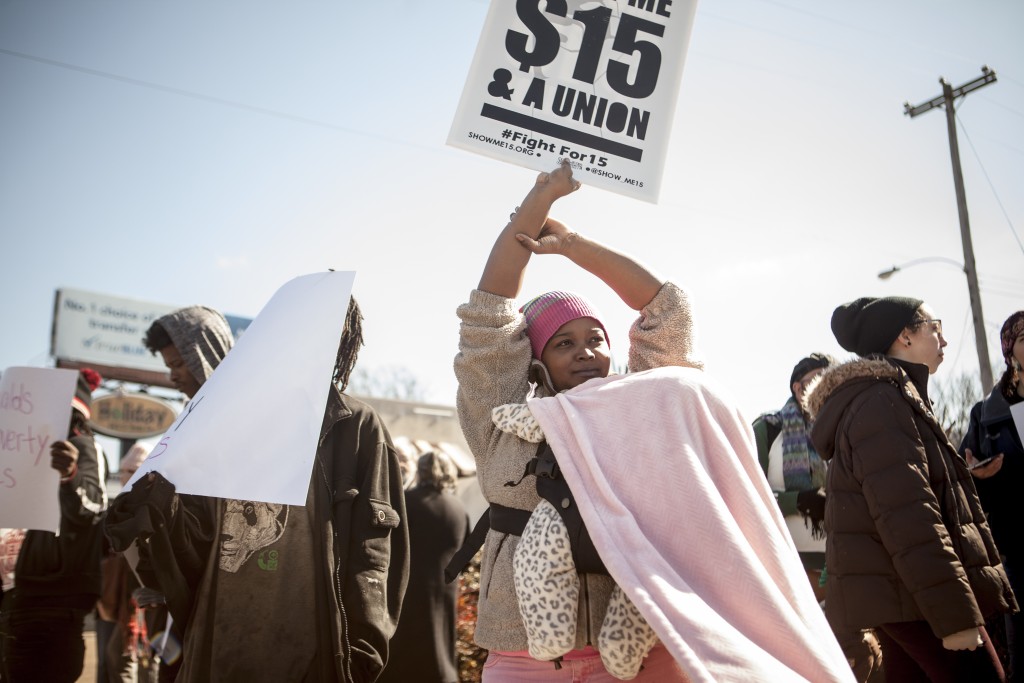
(105, 332)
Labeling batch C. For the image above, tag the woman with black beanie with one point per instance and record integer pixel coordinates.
(909, 552)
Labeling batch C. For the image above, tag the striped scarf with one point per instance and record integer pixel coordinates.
(802, 467)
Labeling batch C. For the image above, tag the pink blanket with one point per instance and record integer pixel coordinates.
(666, 476)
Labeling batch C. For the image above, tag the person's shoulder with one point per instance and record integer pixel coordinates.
(875, 394)
(773, 419)
(993, 408)
(84, 443)
(880, 406)
(360, 415)
(359, 409)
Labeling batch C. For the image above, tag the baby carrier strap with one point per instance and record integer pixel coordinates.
(498, 517)
(552, 487)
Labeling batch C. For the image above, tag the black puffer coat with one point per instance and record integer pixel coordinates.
(907, 538)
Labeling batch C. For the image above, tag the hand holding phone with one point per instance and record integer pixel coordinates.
(975, 466)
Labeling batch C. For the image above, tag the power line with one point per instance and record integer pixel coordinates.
(1014, 294)
(989, 281)
(1009, 222)
(1017, 83)
(1002, 106)
(822, 17)
(207, 98)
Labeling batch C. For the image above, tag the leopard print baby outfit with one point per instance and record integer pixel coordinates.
(548, 587)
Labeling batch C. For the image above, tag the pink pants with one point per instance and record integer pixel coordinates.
(659, 667)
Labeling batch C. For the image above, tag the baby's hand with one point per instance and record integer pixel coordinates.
(516, 419)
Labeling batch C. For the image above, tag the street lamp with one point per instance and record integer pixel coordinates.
(979, 324)
(886, 274)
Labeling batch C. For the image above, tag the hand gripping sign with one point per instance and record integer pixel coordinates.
(592, 81)
(251, 431)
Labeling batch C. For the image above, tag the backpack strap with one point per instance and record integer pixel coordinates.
(766, 428)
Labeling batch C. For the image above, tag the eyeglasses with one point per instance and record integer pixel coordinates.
(936, 326)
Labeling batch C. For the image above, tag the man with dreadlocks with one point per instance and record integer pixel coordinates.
(271, 592)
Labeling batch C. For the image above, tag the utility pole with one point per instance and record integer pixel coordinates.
(946, 100)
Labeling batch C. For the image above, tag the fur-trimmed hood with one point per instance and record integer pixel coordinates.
(827, 398)
(824, 385)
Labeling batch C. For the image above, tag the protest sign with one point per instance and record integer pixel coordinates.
(598, 86)
(35, 410)
(251, 431)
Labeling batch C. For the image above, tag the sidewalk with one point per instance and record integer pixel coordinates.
(89, 669)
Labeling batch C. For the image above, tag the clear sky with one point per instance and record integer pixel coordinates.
(195, 152)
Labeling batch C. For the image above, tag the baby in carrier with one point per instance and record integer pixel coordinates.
(547, 582)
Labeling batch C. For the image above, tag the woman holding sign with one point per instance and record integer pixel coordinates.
(558, 344)
(648, 517)
(602, 566)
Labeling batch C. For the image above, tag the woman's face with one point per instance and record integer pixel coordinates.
(926, 342)
(1017, 350)
(577, 352)
(799, 387)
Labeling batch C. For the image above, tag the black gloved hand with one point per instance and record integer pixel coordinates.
(152, 490)
(811, 504)
(140, 512)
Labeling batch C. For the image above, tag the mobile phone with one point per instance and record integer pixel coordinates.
(981, 463)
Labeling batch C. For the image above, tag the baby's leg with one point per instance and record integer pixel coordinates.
(625, 637)
(547, 586)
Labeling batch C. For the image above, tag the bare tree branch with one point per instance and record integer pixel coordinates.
(953, 400)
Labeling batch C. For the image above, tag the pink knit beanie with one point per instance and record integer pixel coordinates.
(548, 312)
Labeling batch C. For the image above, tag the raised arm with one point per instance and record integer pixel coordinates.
(503, 273)
(628, 278)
